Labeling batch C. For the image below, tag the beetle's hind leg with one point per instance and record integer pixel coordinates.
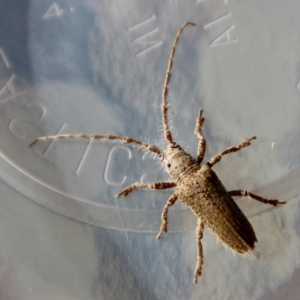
(199, 134)
(199, 235)
(244, 193)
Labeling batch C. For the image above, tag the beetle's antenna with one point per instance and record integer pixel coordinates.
(164, 108)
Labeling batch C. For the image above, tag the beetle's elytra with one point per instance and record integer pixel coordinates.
(197, 186)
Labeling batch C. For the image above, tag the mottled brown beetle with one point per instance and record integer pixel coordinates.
(197, 186)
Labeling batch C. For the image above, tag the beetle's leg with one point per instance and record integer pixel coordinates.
(199, 235)
(153, 186)
(164, 215)
(199, 134)
(218, 157)
(244, 193)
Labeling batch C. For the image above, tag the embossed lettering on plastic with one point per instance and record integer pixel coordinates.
(144, 41)
(10, 90)
(53, 12)
(109, 166)
(82, 158)
(5, 59)
(18, 127)
(224, 37)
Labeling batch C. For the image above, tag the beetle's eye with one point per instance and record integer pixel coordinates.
(174, 145)
(168, 165)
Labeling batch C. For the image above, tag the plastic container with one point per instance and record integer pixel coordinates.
(99, 67)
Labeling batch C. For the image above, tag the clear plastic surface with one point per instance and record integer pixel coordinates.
(99, 67)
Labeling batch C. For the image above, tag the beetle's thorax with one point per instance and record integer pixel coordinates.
(177, 161)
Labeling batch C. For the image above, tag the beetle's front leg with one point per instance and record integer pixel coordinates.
(215, 159)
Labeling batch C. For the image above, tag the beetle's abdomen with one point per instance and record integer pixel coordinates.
(205, 195)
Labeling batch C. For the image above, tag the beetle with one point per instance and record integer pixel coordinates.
(195, 184)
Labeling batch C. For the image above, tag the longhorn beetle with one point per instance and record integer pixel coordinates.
(195, 184)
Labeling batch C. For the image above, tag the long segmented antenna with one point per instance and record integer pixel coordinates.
(111, 137)
(164, 108)
(129, 140)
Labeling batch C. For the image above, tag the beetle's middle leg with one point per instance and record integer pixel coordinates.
(244, 193)
(164, 215)
(199, 134)
(153, 186)
(215, 159)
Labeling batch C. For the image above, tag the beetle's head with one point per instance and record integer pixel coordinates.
(176, 160)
